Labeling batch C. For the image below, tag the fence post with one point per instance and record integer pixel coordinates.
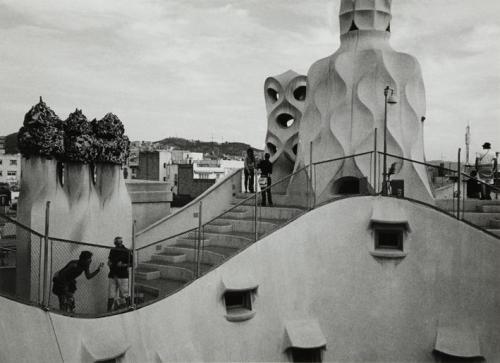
(198, 247)
(132, 280)
(256, 236)
(310, 190)
(375, 158)
(46, 270)
(459, 181)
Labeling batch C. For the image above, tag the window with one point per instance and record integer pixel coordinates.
(1, 172)
(304, 340)
(457, 344)
(306, 355)
(13, 162)
(238, 300)
(1, 161)
(389, 238)
(445, 358)
(11, 173)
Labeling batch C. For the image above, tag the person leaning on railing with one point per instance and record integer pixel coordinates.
(64, 280)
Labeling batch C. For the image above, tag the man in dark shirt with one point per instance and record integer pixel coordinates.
(120, 259)
(266, 169)
(64, 280)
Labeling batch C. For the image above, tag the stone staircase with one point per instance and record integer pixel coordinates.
(173, 262)
(482, 213)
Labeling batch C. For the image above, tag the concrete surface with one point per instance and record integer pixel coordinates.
(318, 267)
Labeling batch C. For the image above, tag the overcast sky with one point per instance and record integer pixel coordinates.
(196, 68)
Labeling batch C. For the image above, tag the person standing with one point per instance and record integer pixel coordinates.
(249, 171)
(486, 165)
(120, 259)
(64, 280)
(266, 169)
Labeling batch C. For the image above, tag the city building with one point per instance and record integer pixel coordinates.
(10, 165)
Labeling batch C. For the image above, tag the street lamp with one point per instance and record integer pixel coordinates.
(389, 99)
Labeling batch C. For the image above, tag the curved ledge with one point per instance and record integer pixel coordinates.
(238, 315)
(388, 254)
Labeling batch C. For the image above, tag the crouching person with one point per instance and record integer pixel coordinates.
(119, 261)
(64, 280)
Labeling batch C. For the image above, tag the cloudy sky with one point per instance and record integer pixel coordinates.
(196, 68)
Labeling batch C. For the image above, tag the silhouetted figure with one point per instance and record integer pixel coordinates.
(64, 280)
(473, 186)
(249, 171)
(119, 261)
(486, 165)
(266, 169)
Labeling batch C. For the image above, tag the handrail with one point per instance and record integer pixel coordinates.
(10, 220)
(193, 202)
(442, 168)
(166, 239)
(493, 187)
(417, 162)
(284, 178)
(63, 240)
(254, 195)
(343, 158)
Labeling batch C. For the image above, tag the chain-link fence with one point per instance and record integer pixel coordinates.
(78, 272)
(20, 261)
(165, 266)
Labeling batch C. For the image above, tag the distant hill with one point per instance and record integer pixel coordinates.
(11, 144)
(207, 147)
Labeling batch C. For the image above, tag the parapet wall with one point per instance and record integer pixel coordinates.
(318, 267)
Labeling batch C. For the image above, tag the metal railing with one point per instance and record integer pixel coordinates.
(29, 260)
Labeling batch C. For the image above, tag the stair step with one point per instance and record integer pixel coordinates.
(147, 274)
(169, 256)
(495, 231)
(224, 251)
(162, 287)
(169, 270)
(210, 258)
(490, 208)
(495, 223)
(276, 212)
(480, 219)
(192, 241)
(229, 240)
(218, 227)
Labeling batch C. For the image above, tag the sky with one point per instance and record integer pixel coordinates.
(196, 68)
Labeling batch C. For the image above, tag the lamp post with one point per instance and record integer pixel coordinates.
(389, 99)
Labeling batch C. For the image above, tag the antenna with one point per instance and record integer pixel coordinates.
(467, 143)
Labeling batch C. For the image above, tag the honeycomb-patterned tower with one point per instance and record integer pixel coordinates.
(285, 96)
(345, 104)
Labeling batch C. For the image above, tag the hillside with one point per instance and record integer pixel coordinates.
(206, 147)
(226, 148)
